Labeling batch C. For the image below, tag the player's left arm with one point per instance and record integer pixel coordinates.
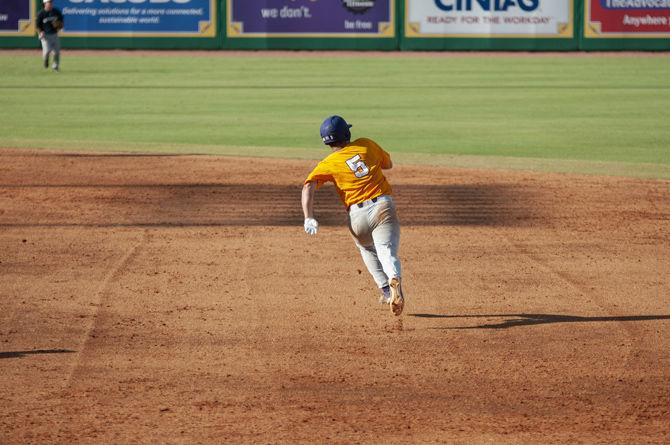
(61, 19)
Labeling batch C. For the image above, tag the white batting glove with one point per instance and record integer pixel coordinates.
(311, 226)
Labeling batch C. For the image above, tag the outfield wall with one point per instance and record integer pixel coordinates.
(454, 25)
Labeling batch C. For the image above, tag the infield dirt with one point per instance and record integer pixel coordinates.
(176, 299)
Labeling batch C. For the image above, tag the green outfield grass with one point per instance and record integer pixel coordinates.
(598, 114)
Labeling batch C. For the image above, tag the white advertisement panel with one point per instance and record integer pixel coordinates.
(489, 18)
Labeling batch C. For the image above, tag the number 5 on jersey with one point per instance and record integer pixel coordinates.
(358, 166)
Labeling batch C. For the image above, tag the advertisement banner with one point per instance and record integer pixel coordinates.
(17, 17)
(627, 18)
(489, 18)
(138, 18)
(310, 18)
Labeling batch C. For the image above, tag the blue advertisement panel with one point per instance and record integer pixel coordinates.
(138, 18)
(17, 17)
(310, 18)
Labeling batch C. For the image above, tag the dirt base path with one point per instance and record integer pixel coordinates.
(176, 299)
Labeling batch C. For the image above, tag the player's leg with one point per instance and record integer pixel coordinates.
(386, 237)
(45, 51)
(372, 263)
(360, 230)
(55, 44)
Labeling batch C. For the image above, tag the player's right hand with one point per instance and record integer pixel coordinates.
(311, 226)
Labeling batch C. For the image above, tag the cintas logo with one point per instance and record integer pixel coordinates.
(486, 5)
(358, 6)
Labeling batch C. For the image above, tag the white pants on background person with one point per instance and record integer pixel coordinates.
(376, 230)
(50, 44)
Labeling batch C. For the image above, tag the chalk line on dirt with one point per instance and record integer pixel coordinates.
(113, 274)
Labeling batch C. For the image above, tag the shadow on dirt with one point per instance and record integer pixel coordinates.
(21, 354)
(516, 320)
(190, 204)
(451, 205)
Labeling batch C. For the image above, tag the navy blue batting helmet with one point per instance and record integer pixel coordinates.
(335, 129)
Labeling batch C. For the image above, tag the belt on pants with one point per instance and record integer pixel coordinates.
(361, 204)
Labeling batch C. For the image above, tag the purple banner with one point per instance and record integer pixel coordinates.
(267, 18)
(13, 14)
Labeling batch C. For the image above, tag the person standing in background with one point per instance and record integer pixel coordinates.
(49, 22)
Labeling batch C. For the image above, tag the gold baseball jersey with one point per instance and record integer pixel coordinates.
(356, 171)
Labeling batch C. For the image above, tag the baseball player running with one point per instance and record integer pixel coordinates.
(356, 170)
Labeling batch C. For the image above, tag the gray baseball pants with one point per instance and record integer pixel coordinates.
(51, 43)
(376, 231)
